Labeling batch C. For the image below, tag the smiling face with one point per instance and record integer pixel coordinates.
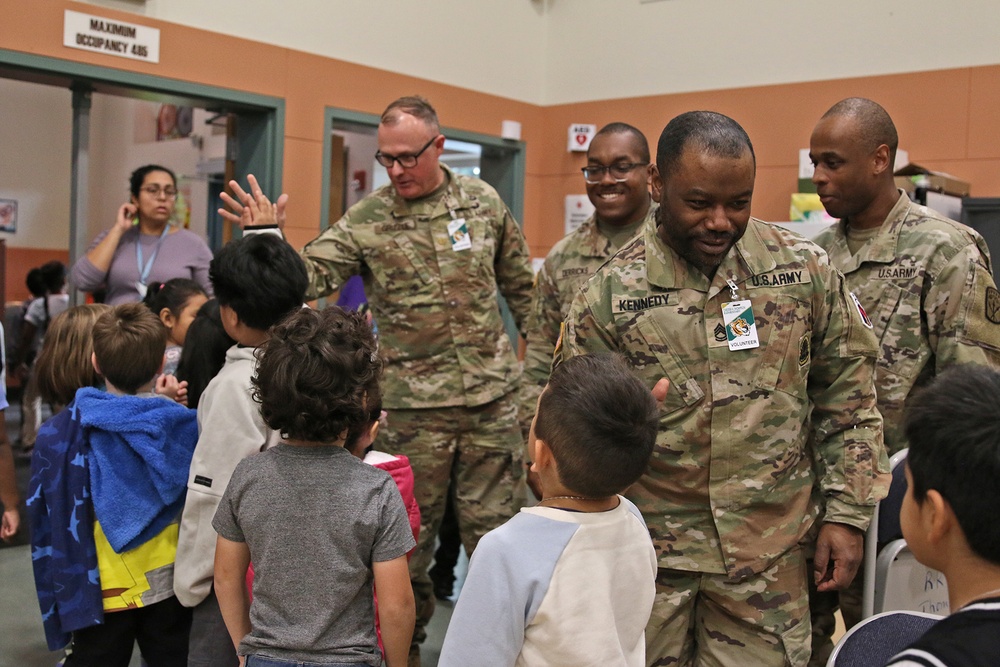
(704, 205)
(848, 174)
(623, 203)
(156, 209)
(407, 135)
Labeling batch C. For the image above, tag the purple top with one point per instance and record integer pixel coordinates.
(183, 254)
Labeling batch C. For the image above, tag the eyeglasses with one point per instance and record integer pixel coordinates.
(619, 172)
(155, 191)
(405, 161)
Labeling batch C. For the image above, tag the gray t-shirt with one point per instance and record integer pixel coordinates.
(314, 519)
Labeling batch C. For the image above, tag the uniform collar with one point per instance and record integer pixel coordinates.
(750, 256)
(449, 198)
(596, 244)
(883, 248)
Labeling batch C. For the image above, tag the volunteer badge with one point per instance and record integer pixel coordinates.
(741, 330)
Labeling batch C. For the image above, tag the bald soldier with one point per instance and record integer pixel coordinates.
(617, 182)
(763, 345)
(435, 249)
(924, 280)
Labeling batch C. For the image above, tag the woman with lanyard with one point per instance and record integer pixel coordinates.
(142, 247)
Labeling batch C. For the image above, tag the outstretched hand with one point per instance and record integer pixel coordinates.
(253, 208)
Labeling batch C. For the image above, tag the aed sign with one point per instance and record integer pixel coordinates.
(113, 38)
(580, 137)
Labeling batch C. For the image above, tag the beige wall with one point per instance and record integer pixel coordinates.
(946, 118)
(563, 51)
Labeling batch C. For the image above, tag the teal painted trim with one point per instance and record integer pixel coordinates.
(270, 154)
(146, 82)
(331, 116)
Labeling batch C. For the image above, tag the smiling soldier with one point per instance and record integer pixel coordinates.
(761, 421)
(616, 177)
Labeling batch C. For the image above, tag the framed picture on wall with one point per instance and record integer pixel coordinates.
(8, 215)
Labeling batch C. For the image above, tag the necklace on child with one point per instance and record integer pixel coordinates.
(572, 498)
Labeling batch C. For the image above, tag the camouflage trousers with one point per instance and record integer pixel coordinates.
(823, 606)
(472, 453)
(711, 620)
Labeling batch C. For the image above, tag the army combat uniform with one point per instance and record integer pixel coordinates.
(731, 486)
(925, 282)
(451, 373)
(567, 267)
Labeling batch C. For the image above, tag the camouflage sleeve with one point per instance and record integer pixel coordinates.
(588, 327)
(512, 265)
(849, 455)
(331, 258)
(542, 332)
(962, 309)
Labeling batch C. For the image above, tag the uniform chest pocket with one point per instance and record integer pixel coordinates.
(399, 266)
(654, 357)
(785, 332)
(898, 325)
(480, 256)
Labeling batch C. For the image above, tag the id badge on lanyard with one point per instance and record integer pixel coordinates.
(737, 315)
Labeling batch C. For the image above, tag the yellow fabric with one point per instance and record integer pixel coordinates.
(140, 576)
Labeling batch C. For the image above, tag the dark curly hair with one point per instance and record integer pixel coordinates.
(315, 374)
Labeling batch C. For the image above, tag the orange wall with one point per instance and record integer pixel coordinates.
(22, 260)
(946, 119)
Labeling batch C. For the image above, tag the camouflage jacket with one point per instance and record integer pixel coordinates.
(437, 309)
(567, 267)
(925, 281)
(733, 482)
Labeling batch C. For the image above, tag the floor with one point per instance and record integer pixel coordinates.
(22, 640)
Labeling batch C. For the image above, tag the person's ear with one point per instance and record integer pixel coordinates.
(93, 360)
(880, 159)
(939, 518)
(373, 431)
(167, 318)
(656, 185)
(541, 456)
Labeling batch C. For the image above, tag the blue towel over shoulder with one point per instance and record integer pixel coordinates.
(140, 454)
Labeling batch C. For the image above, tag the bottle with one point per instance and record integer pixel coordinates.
(921, 185)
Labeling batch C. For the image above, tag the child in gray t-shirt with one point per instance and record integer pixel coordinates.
(320, 526)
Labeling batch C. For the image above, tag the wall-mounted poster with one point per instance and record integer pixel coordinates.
(8, 215)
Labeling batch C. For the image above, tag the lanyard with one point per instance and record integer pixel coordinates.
(144, 271)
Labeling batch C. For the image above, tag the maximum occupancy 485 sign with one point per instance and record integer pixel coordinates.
(114, 38)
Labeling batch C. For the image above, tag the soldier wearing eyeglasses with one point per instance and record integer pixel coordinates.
(616, 179)
(435, 249)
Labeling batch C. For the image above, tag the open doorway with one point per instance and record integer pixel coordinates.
(115, 121)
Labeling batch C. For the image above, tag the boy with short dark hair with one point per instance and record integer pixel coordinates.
(257, 281)
(949, 513)
(107, 486)
(320, 526)
(570, 581)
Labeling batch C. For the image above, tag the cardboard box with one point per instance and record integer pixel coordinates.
(937, 181)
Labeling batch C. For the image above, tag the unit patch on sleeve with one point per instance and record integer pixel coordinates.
(993, 305)
(861, 311)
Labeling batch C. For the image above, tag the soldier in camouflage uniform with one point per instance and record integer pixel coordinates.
(762, 344)
(924, 281)
(432, 248)
(617, 182)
